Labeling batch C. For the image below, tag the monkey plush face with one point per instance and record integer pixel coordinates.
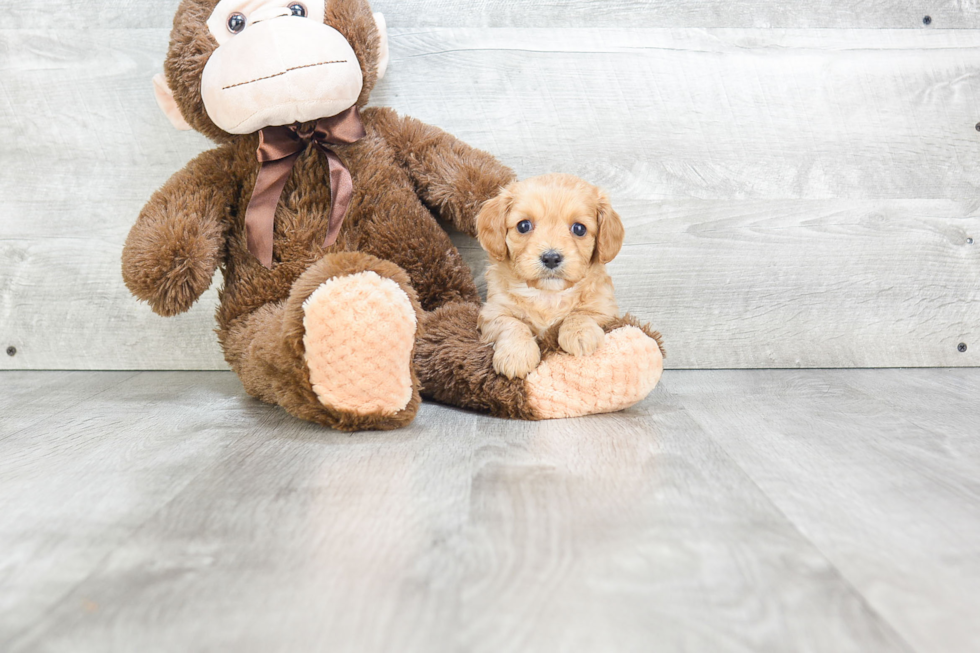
(277, 63)
(237, 66)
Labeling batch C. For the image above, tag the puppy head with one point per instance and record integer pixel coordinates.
(551, 228)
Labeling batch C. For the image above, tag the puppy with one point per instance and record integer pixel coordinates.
(550, 238)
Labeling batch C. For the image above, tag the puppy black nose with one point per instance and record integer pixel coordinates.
(552, 259)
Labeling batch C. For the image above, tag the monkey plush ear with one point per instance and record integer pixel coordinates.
(165, 98)
(383, 54)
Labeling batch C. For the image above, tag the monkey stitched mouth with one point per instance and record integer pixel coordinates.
(288, 70)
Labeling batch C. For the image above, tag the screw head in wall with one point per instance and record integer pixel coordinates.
(962, 348)
(927, 20)
(969, 241)
(11, 351)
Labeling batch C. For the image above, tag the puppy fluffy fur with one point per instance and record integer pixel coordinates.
(526, 230)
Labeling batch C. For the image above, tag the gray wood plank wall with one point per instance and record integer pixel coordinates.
(874, 14)
(796, 197)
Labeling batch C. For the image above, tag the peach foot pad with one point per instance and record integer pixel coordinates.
(622, 373)
(360, 332)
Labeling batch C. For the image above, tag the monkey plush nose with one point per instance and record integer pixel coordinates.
(552, 259)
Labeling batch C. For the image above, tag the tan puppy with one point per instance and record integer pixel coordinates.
(550, 238)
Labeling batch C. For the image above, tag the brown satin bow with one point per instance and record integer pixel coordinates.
(279, 148)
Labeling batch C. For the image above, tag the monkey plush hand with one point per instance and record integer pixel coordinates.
(344, 301)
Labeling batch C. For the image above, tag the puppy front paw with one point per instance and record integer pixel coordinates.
(515, 359)
(581, 337)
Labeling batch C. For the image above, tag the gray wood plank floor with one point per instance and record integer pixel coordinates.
(731, 511)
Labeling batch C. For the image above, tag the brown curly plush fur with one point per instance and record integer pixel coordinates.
(406, 176)
(456, 368)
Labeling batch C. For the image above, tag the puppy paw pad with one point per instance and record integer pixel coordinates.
(620, 374)
(360, 332)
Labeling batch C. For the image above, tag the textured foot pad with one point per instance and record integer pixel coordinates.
(360, 331)
(622, 373)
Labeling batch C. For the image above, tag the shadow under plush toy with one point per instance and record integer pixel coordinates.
(344, 301)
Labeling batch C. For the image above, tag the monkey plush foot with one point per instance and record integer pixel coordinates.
(456, 367)
(621, 373)
(359, 336)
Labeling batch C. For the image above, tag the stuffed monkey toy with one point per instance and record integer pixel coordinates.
(344, 301)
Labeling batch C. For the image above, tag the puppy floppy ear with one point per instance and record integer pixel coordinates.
(611, 232)
(491, 224)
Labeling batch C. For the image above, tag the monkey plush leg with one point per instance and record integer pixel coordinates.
(456, 368)
(339, 350)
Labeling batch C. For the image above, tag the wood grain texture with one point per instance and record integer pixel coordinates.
(663, 13)
(793, 198)
(849, 458)
(944, 406)
(709, 114)
(172, 513)
(29, 400)
(98, 468)
(131, 14)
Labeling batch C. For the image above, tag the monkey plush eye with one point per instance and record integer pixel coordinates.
(236, 23)
(524, 226)
(298, 10)
(579, 229)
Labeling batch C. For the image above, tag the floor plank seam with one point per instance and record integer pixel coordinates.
(45, 418)
(882, 620)
(123, 541)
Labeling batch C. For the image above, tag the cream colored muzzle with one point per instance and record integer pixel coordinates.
(280, 71)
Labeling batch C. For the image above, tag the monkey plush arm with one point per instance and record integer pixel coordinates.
(176, 244)
(452, 178)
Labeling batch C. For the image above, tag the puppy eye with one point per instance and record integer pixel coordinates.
(524, 226)
(579, 229)
(298, 10)
(236, 23)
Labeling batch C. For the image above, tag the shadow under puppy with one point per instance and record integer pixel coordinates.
(550, 238)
